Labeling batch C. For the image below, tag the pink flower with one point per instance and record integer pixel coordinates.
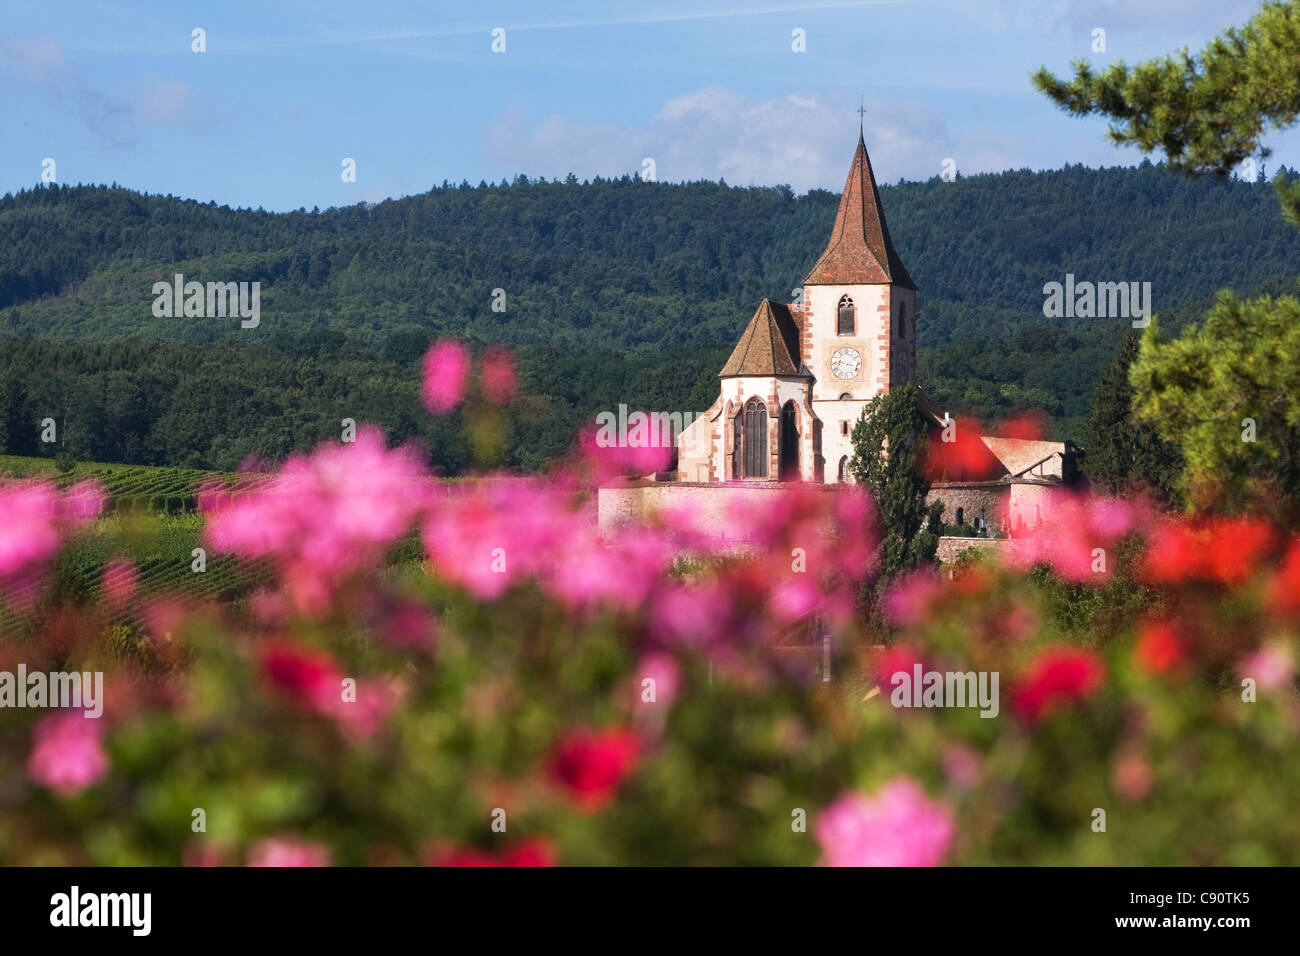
(911, 600)
(899, 826)
(663, 670)
(66, 753)
(119, 582)
(325, 517)
(288, 851)
(1075, 538)
(1271, 666)
(446, 371)
(498, 376)
(35, 518)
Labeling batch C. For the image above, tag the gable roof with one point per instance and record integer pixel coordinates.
(768, 346)
(1019, 455)
(859, 252)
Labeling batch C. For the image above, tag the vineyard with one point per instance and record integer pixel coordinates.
(151, 520)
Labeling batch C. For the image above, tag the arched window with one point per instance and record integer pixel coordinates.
(789, 443)
(737, 443)
(755, 439)
(847, 321)
(902, 320)
(846, 397)
(961, 516)
(844, 470)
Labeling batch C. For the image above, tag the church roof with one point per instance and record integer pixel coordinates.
(859, 252)
(1019, 455)
(768, 346)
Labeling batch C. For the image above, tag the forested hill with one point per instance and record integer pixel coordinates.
(620, 265)
(615, 292)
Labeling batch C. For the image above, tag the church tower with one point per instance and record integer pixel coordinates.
(858, 321)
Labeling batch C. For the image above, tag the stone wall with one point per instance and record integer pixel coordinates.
(985, 501)
(720, 508)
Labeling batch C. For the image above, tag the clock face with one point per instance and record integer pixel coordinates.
(846, 363)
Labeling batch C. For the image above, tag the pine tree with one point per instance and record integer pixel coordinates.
(1124, 455)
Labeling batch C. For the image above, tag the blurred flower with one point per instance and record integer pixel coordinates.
(1224, 550)
(663, 670)
(499, 377)
(1057, 676)
(288, 851)
(203, 853)
(535, 851)
(962, 765)
(1131, 774)
(899, 826)
(120, 579)
(36, 516)
(1159, 647)
(446, 371)
(532, 852)
(1074, 537)
(910, 599)
(409, 625)
(459, 856)
(308, 678)
(1271, 666)
(66, 753)
(591, 765)
(1284, 592)
(325, 516)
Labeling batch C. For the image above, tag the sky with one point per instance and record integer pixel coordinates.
(414, 93)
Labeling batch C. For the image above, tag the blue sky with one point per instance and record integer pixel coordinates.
(413, 92)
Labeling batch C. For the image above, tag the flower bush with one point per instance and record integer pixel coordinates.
(536, 690)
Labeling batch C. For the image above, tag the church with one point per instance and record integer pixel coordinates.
(802, 373)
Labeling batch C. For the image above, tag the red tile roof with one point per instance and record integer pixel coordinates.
(860, 252)
(768, 346)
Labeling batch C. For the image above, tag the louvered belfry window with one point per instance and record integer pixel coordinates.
(755, 449)
(847, 324)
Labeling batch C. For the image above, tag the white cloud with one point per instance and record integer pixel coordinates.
(716, 133)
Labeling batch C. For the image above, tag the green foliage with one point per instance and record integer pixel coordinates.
(1227, 394)
(889, 442)
(1124, 455)
(617, 292)
(1207, 112)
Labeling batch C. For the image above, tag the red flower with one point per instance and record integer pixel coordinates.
(1159, 648)
(1226, 550)
(309, 678)
(1058, 675)
(532, 852)
(1284, 594)
(591, 765)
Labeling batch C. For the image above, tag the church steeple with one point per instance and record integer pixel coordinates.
(859, 252)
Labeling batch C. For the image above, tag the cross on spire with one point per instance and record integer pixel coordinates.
(862, 111)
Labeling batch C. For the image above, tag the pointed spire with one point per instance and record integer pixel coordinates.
(859, 252)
